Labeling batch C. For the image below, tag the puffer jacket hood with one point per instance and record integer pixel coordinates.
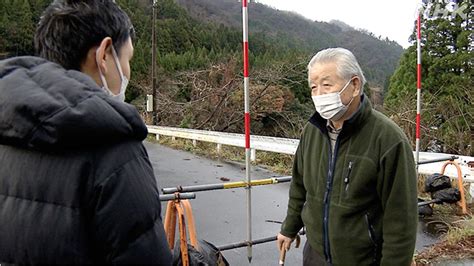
(45, 107)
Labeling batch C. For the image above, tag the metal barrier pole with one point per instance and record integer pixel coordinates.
(254, 242)
(245, 243)
(423, 203)
(239, 184)
(177, 196)
(450, 158)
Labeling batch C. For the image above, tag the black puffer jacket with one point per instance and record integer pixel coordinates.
(76, 184)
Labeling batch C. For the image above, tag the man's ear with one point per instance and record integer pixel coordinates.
(356, 82)
(102, 52)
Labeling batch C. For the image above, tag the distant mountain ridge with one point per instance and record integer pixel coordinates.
(378, 58)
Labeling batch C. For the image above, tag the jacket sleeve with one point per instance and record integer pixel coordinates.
(293, 222)
(127, 216)
(399, 202)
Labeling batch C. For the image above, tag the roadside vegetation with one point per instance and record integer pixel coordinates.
(457, 237)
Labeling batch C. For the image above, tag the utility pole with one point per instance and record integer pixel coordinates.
(153, 68)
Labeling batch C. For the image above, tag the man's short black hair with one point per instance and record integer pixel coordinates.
(69, 28)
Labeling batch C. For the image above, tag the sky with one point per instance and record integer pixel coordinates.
(393, 19)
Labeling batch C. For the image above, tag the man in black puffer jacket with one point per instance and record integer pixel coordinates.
(76, 184)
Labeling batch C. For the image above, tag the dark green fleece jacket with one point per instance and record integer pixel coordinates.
(361, 207)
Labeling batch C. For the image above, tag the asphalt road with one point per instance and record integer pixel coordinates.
(221, 215)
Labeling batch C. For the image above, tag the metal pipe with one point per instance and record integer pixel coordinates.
(423, 203)
(177, 196)
(254, 242)
(239, 184)
(460, 186)
(449, 158)
(192, 188)
(245, 243)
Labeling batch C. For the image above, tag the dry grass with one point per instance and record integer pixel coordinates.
(456, 244)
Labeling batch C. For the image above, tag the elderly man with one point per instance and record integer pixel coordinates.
(354, 182)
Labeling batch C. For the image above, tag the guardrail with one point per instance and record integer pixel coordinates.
(288, 146)
(262, 143)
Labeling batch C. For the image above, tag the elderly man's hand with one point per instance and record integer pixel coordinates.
(283, 241)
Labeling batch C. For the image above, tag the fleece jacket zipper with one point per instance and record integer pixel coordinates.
(327, 196)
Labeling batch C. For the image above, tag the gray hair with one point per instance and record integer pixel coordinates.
(346, 63)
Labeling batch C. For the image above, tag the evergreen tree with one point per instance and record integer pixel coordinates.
(447, 86)
(26, 28)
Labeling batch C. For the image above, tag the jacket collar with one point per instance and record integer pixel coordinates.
(349, 125)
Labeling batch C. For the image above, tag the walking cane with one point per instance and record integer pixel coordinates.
(282, 256)
(283, 251)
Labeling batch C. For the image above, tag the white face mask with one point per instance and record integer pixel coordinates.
(124, 80)
(330, 105)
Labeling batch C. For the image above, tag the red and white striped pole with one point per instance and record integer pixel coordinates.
(418, 90)
(247, 126)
